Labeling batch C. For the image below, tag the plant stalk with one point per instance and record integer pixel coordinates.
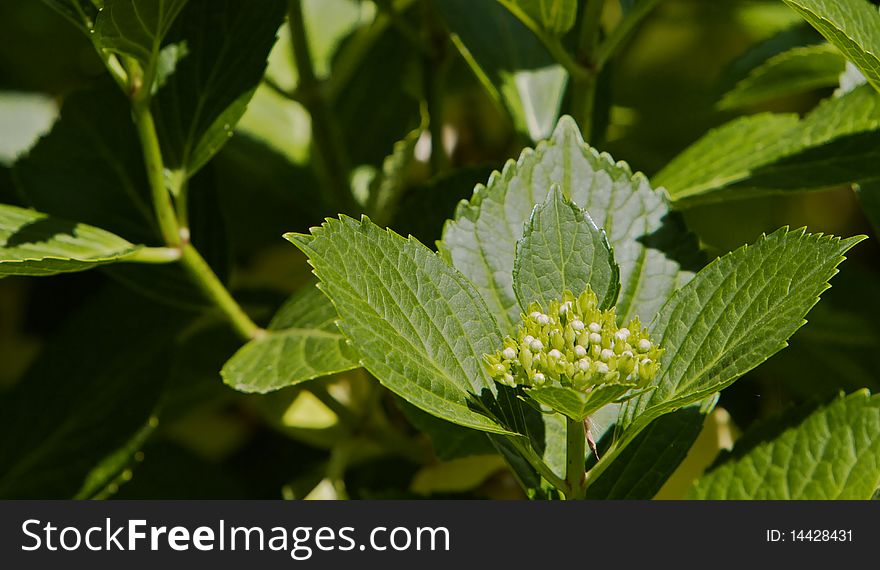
(583, 93)
(575, 450)
(330, 155)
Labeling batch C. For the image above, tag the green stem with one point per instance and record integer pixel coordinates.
(435, 65)
(623, 31)
(529, 454)
(583, 94)
(330, 155)
(155, 255)
(162, 203)
(206, 280)
(575, 449)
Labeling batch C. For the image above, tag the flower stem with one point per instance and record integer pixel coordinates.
(575, 449)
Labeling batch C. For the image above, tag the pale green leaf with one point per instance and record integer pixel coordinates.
(24, 117)
(457, 475)
(735, 314)
(510, 61)
(650, 242)
(790, 72)
(851, 25)
(833, 454)
(302, 343)
(227, 43)
(136, 28)
(769, 153)
(418, 325)
(563, 250)
(554, 16)
(32, 243)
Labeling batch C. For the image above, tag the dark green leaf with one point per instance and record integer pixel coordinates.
(136, 28)
(93, 387)
(226, 43)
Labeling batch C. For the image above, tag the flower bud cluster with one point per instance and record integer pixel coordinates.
(577, 345)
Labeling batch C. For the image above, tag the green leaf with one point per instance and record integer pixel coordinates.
(768, 153)
(644, 465)
(227, 43)
(555, 16)
(450, 441)
(563, 250)
(418, 324)
(651, 246)
(735, 314)
(81, 13)
(302, 343)
(24, 117)
(790, 72)
(32, 243)
(90, 168)
(93, 387)
(510, 61)
(832, 454)
(136, 28)
(579, 405)
(851, 25)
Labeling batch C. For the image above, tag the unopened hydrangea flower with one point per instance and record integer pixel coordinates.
(575, 344)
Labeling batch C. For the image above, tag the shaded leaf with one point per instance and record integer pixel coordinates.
(227, 43)
(418, 325)
(32, 243)
(555, 16)
(790, 72)
(136, 28)
(832, 454)
(563, 250)
(302, 343)
(24, 117)
(510, 61)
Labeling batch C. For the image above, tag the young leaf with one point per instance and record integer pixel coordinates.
(136, 28)
(226, 45)
(794, 71)
(650, 243)
(851, 25)
(32, 243)
(736, 313)
(563, 250)
(768, 153)
(579, 405)
(303, 343)
(510, 61)
(832, 454)
(93, 387)
(419, 326)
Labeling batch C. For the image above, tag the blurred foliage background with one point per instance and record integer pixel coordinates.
(663, 90)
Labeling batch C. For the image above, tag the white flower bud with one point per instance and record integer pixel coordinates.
(536, 345)
(543, 319)
(528, 339)
(644, 345)
(595, 338)
(627, 354)
(509, 353)
(580, 351)
(577, 325)
(622, 334)
(535, 314)
(602, 368)
(554, 354)
(583, 365)
(606, 354)
(565, 307)
(539, 378)
(595, 327)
